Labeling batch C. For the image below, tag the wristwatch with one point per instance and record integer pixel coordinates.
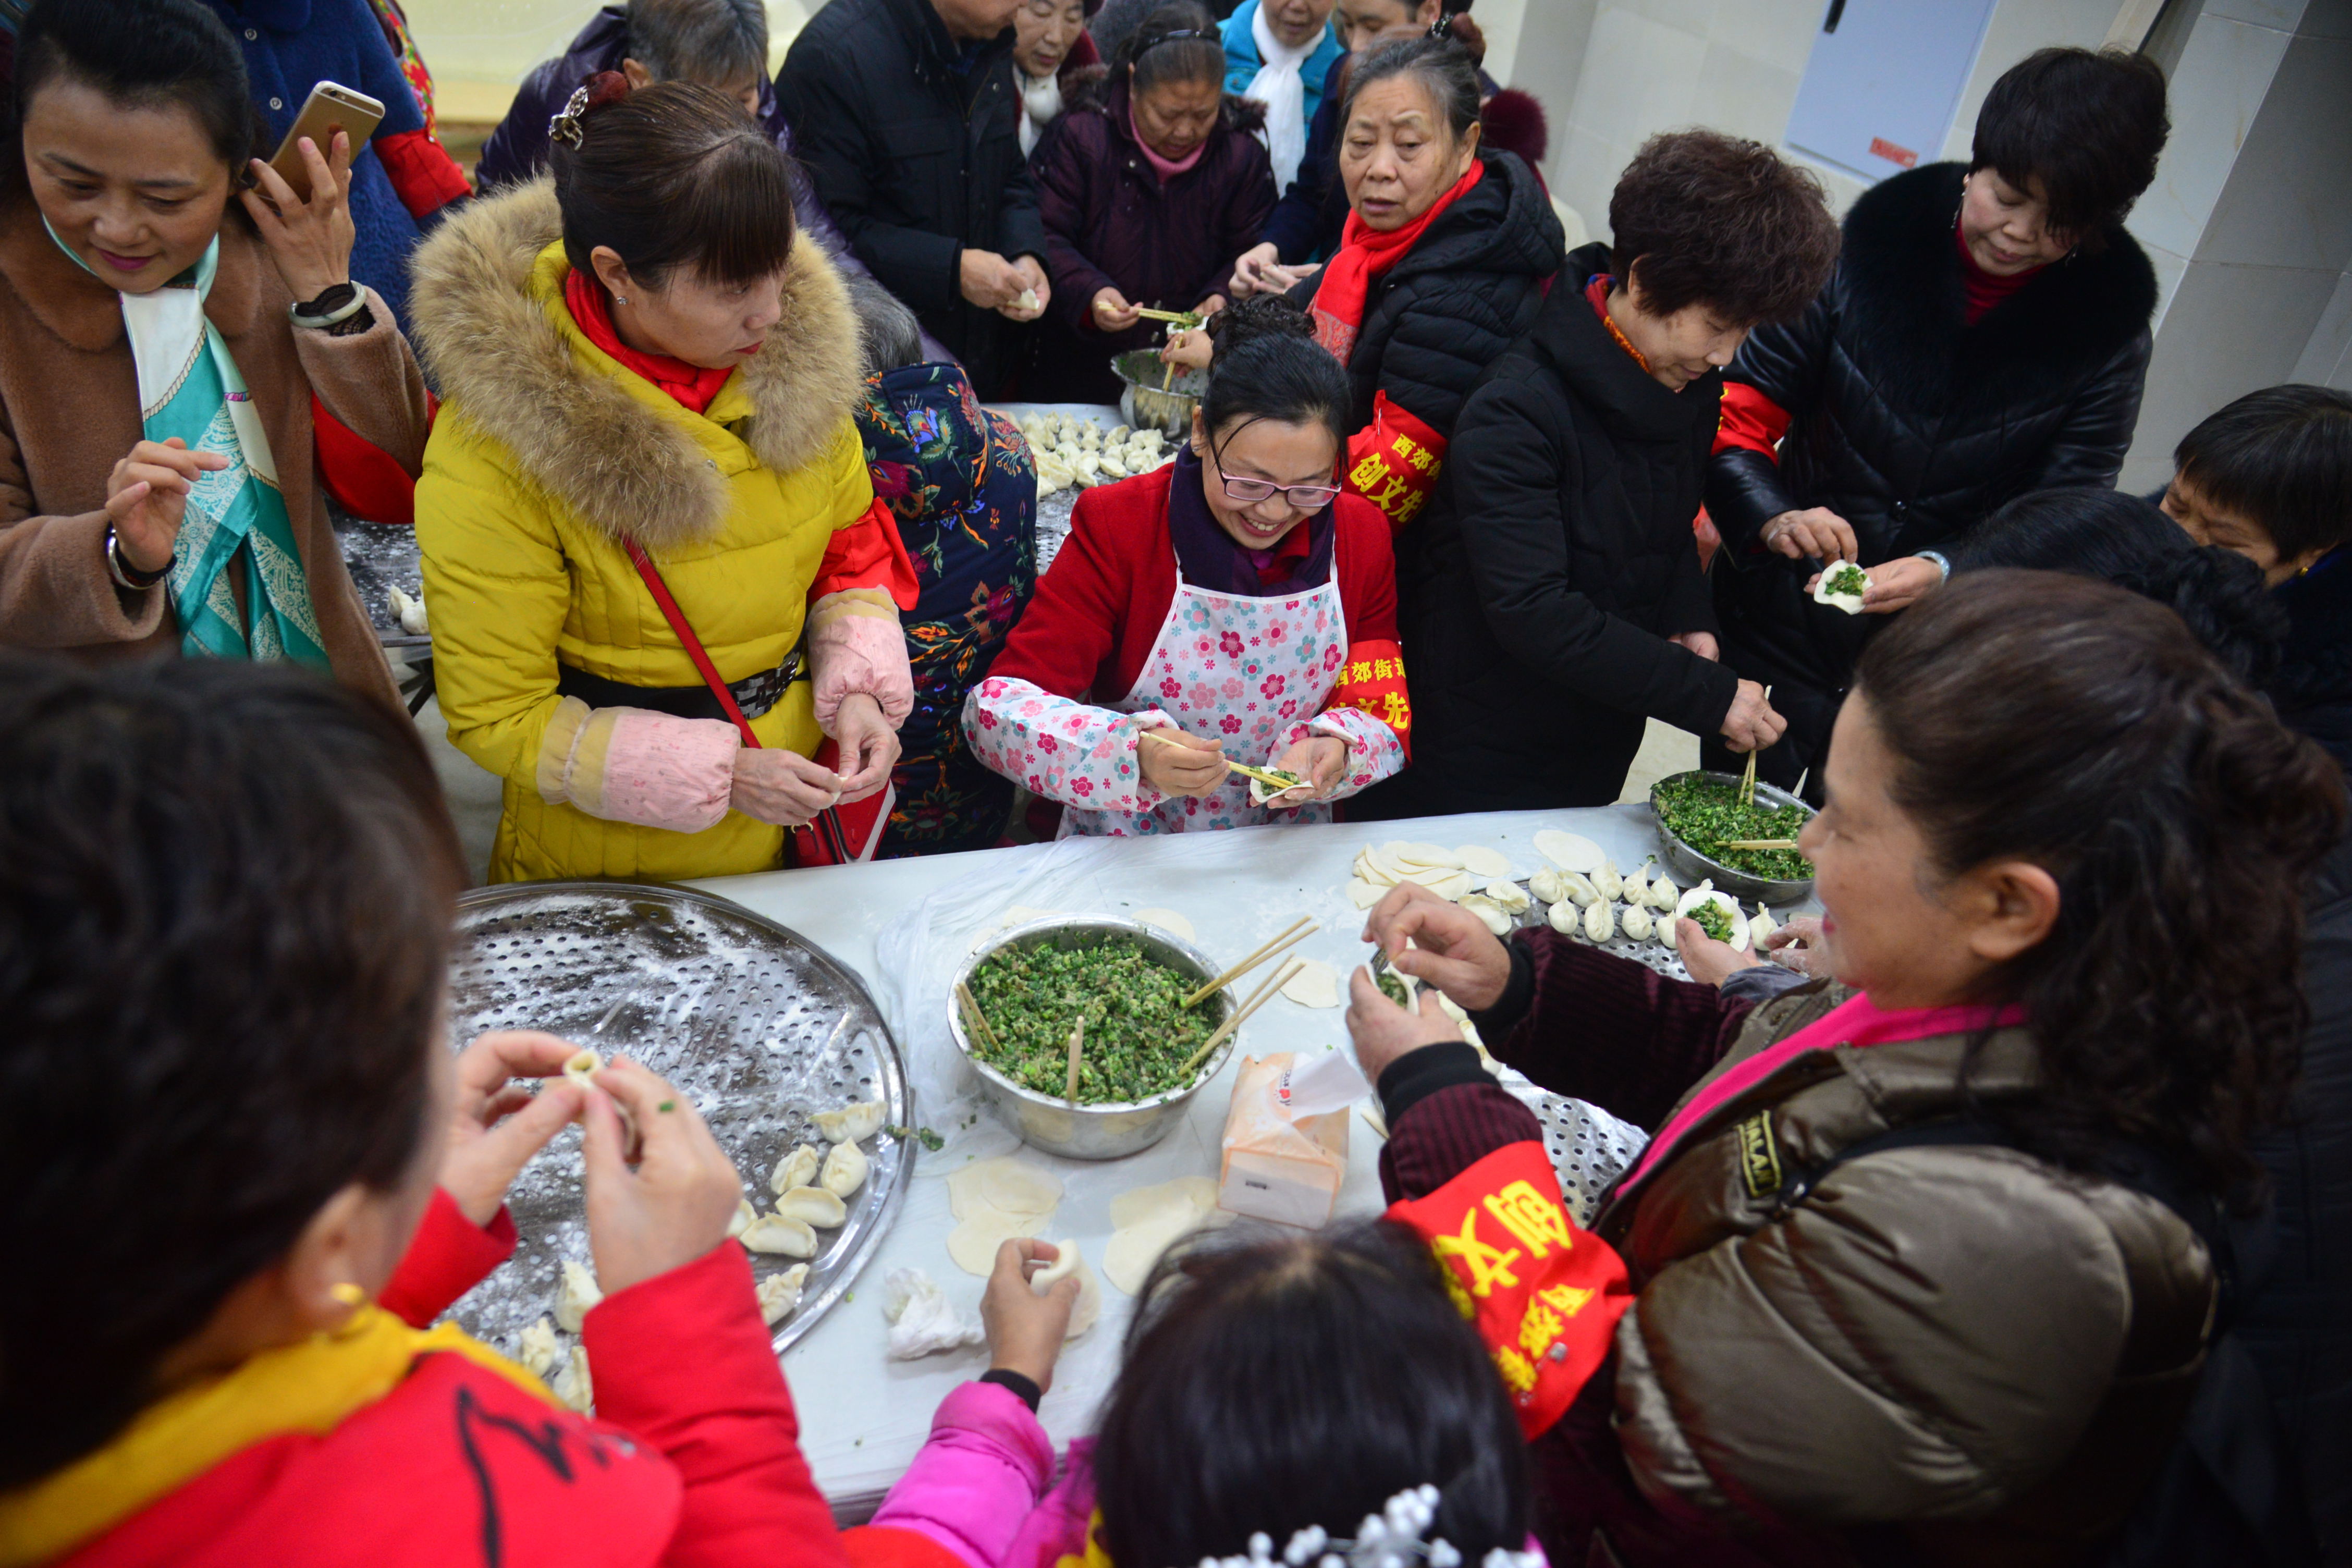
(126, 575)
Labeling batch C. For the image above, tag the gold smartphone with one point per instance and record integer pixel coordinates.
(331, 107)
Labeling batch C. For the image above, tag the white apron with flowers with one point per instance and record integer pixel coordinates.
(1252, 672)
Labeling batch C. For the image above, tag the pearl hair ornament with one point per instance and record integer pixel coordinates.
(1389, 1539)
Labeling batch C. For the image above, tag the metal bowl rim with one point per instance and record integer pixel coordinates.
(889, 1062)
(1210, 970)
(1795, 887)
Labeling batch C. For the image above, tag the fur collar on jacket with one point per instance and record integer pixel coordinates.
(622, 467)
(1907, 310)
(1089, 87)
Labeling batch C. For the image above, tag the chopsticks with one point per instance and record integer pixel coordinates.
(1258, 998)
(1272, 780)
(972, 1006)
(1184, 319)
(1300, 930)
(1748, 778)
(1077, 1052)
(1759, 844)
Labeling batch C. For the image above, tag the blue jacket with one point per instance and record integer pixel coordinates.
(292, 46)
(1242, 60)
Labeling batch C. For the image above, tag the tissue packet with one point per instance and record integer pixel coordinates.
(1280, 1164)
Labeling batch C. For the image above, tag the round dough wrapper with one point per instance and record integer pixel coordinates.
(1481, 862)
(1005, 1184)
(1133, 1249)
(1363, 894)
(972, 1244)
(1168, 920)
(1317, 984)
(1197, 1194)
(1425, 855)
(1568, 851)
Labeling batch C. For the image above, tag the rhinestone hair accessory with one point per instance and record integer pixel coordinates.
(1178, 36)
(565, 127)
(1389, 1539)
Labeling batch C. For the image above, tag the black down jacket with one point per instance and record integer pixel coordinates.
(1563, 563)
(916, 160)
(1913, 426)
(2313, 686)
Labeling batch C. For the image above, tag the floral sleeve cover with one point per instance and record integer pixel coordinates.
(1063, 750)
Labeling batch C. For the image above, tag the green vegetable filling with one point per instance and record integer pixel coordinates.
(1138, 1032)
(1848, 578)
(1392, 987)
(1705, 815)
(1712, 920)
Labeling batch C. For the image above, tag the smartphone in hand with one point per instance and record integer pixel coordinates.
(331, 107)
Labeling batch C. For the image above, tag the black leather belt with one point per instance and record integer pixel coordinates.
(755, 694)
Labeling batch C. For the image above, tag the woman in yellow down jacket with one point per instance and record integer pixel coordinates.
(647, 383)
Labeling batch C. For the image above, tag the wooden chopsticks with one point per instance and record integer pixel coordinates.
(980, 1019)
(1258, 998)
(1759, 844)
(1300, 930)
(1272, 780)
(1078, 1053)
(1184, 319)
(1748, 778)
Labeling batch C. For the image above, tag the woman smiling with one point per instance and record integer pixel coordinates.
(161, 344)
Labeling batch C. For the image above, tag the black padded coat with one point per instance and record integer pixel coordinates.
(916, 151)
(1563, 563)
(1913, 426)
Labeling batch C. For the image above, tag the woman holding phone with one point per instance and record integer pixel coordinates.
(169, 309)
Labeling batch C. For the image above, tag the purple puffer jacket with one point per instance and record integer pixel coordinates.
(516, 149)
(1111, 223)
(979, 1487)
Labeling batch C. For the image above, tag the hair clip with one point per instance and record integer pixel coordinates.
(565, 127)
(1389, 1539)
(1177, 36)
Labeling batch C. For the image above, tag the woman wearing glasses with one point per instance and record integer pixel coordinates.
(1233, 603)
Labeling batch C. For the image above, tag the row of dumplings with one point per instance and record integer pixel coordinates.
(810, 1192)
(1078, 453)
(1587, 906)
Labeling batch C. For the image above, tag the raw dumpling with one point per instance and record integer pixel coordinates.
(1760, 926)
(922, 1320)
(1565, 918)
(577, 1294)
(1488, 910)
(581, 1068)
(1662, 894)
(1704, 893)
(780, 1294)
(1580, 891)
(1637, 923)
(744, 1214)
(1568, 851)
(537, 1349)
(850, 1124)
(1600, 921)
(1841, 587)
(1551, 885)
(813, 1207)
(409, 612)
(571, 1384)
(1608, 883)
(782, 1234)
(797, 1169)
(844, 1170)
(1512, 897)
(1637, 886)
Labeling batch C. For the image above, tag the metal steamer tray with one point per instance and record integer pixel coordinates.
(761, 1027)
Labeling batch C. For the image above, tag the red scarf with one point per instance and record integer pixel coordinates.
(693, 386)
(1596, 294)
(1364, 255)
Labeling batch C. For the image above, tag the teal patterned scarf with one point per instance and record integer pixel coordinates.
(236, 520)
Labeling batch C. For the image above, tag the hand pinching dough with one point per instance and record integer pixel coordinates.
(1066, 1265)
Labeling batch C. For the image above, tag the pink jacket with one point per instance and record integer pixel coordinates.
(984, 1485)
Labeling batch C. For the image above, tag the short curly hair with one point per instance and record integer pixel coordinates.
(1711, 219)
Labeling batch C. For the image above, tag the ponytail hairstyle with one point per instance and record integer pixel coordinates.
(1267, 365)
(2048, 718)
(2122, 539)
(1177, 42)
(1278, 1380)
(673, 175)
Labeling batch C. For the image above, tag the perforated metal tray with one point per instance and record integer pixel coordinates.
(759, 1025)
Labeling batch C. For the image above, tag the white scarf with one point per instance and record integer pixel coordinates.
(1041, 105)
(1283, 90)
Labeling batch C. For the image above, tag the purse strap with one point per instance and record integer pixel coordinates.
(826, 825)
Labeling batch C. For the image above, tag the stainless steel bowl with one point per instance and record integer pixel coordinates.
(1092, 1131)
(1144, 402)
(1691, 868)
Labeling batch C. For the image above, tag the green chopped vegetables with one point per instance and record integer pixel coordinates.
(923, 1135)
(1703, 814)
(1848, 578)
(1139, 1031)
(1712, 920)
(1392, 987)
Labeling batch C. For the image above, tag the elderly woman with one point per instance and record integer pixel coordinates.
(1153, 179)
(1565, 602)
(1050, 45)
(1959, 1205)
(161, 346)
(1985, 334)
(657, 578)
(1282, 53)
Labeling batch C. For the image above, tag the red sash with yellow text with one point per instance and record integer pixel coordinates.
(1395, 461)
(1545, 1294)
